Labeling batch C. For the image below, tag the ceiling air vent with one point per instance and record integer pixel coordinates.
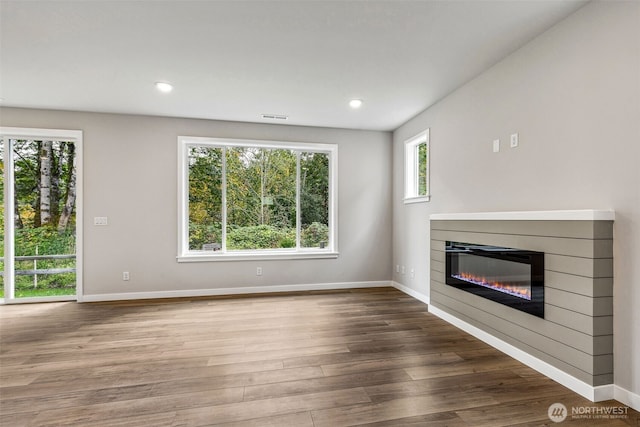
(275, 117)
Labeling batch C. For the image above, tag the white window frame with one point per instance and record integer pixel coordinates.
(186, 255)
(8, 134)
(411, 172)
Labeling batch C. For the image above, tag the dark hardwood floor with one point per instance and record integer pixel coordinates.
(362, 357)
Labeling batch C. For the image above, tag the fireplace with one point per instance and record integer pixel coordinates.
(509, 276)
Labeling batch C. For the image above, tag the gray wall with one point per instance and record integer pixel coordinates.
(130, 176)
(573, 95)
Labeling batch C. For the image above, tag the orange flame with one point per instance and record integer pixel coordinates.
(508, 288)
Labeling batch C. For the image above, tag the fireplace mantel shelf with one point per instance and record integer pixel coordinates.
(560, 215)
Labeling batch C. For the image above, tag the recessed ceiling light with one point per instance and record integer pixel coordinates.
(355, 103)
(164, 87)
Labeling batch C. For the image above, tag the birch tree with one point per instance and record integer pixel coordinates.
(46, 154)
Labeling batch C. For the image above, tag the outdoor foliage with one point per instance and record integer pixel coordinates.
(423, 183)
(205, 196)
(261, 191)
(44, 241)
(44, 217)
(315, 235)
(261, 237)
(261, 187)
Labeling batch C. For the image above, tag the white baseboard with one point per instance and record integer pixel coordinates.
(628, 398)
(411, 292)
(232, 291)
(595, 394)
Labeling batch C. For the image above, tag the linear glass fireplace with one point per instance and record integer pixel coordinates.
(509, 276)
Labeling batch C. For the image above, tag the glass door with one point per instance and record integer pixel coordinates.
(40, 215)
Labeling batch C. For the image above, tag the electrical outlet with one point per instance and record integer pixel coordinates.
(259, 271)
(397, 268)
(402, 269)
(413, 273)
(125, 275)
(514, 140)
(496, 145)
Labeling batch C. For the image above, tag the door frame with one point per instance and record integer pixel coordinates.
(8, 133)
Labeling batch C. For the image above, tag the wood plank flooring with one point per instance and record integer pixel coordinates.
(371, 357)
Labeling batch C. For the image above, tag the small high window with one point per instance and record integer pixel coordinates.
(416, 168)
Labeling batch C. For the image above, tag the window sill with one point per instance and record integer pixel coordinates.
(253, 256)
(421, 199)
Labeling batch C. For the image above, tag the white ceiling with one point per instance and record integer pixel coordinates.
(235, 60)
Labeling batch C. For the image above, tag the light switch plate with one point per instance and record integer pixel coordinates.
(496, 145)
(100, 220)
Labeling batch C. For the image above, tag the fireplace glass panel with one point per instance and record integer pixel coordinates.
(508, 277)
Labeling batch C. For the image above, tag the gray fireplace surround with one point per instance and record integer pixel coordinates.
(573, 343)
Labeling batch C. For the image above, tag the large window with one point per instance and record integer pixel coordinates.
(416, 168)
(243, 199)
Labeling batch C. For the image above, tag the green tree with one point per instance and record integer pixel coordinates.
(314, 187)
(422, 169)
(44, 190)
(261, 187)
(260, 194)
(205, 196)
